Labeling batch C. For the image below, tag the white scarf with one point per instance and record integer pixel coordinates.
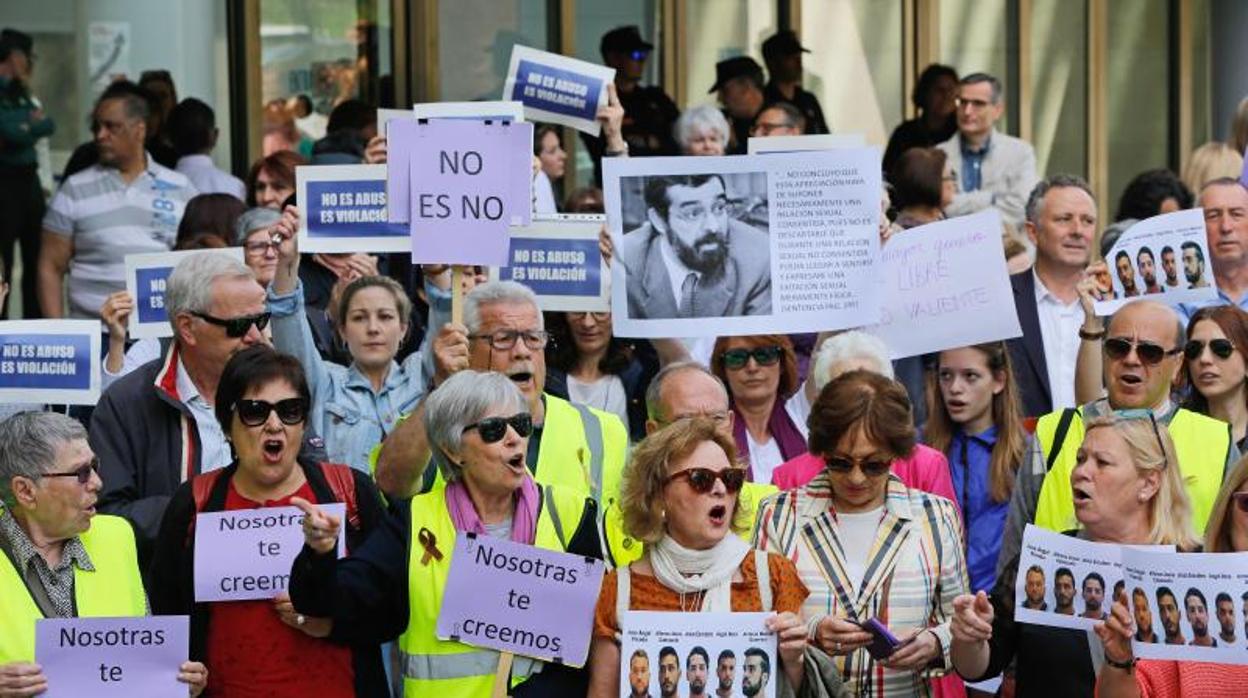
(688, 571)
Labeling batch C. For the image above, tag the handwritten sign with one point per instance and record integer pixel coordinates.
(559, 259)
(1165, 258)
(146, 275)
(946, 285)
(247, 553)
(668, 654)
(121, 657)
(345, 210)
(557, 89)
(519, 598)
(50, 361)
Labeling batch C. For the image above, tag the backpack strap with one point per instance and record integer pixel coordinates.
(341, 482)
(623, 592)
(763, 572)
(1059, 436)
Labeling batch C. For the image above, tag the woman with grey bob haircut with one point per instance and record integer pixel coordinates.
(462, 400)
(29, 443)
(702, 130)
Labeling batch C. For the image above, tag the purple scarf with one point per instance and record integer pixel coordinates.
(791, 442)
(523, 519)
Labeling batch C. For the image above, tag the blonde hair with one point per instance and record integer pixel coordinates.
(1152, 449)
(641, 493)
(1218, 530)
(1211, 161)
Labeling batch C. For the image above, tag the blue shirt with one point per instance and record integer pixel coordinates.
(1187, 310)
(972, 163)
(969, 462)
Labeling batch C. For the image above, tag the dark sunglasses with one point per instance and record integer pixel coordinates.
(253, 413)
(82, 472)
(493, 429)
(1145, 413)
(236, 326)
(764, 356)
(870, 468)
(702, 480)
(1241, 501)
(1151, 354)
(1221, 348)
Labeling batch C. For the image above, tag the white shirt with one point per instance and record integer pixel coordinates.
(676, 269)
(764, 458)
(1059, 332)
(606, 394)
(139, 353)
(543, 194)
(856, 532)
(215, 451)
(210, 180)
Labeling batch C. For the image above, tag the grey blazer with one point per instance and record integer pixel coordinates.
(1007, 177)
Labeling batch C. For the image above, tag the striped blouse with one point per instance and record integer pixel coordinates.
(915, 568)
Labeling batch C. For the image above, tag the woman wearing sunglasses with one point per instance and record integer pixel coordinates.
(1127, 489)
(265, 647)
(480, 423)
(761, 374)
(867, 546)
(1215, 368)
(680, 497)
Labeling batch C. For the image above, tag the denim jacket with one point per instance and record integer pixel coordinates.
(346, 412)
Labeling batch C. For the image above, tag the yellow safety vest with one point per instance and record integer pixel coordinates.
(1200, 442)
(114, 589)
(446, 669)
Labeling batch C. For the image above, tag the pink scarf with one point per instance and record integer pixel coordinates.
(523, 519)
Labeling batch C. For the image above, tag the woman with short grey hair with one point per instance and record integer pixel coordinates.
(702, 130)
(253, 231)
(458, 404)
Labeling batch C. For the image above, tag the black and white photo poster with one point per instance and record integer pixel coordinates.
(697, 654)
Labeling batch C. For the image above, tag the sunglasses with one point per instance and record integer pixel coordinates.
(1241, 501)
(82, 472)
(236, 327)
(493, 429)
(254, 413)
(765, 356)
(702, 480)
(1221, 348)
(1143, 413)
(870, 468)
(1150, 354)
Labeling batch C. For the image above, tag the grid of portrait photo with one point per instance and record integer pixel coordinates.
(1189, 606)
(676, 655)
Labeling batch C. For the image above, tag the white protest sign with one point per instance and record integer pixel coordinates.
(117, 657)
(519, 598)
(1165, 256)
(653, 641)
(946, 285)
(559, 259)
(247, 553)
(50, 361)
(558, 89)
(735, 245)
(795, 144)
(146, 275)
(344, 210)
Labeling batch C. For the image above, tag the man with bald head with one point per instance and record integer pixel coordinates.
(1225, 203)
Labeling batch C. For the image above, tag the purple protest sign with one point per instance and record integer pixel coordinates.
(400, 134)
(521, 599)
(247, 553)
(463, 190)
(121, 657)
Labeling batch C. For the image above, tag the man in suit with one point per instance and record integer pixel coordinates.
(993, 169)
(692, 259)
(1061, 222)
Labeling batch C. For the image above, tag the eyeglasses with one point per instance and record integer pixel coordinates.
(1241, 501)
(975, 104)
(717, 416)
(702, 480)
(869, 467)
(261, 246)
(1117, 348)
(236, 326)
(580, 316)
(506, 339)
(493, 429)
(765, 356)
(82, 472)
(253, 413)
(1221, 348)
(1142, 413)
(693, 214)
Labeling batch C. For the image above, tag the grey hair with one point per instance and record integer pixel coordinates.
(464, 399)
(498, 292)
(254, 219)
(28, 445)
(993, 82)
(846, 346)
(1035, 200)
(654, 391)
(189, 288)
(700, 118)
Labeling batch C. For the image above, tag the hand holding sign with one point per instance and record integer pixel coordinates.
(1115, 634)
(194, 675)
(611, 116)
(320, 530)
(790, 631)
(22, 679)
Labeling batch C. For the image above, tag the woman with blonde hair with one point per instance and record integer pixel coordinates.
(1211, 161)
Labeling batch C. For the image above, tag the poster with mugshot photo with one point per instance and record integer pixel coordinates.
(1067, 582)
(1188, 606)
(739, 245)
(677, 655)
(1165, 258)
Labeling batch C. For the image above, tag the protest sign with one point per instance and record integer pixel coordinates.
(519, 598)
(475, 111)
(344, 210)
(558, 258)
(463, 193)
(1185, 605)
(120, 657)
(760, 244)
(1170, 252)
(652, 641)
(946, 285)
(557, 89)
(145, 282)
(797, 144)
(247, 553)
(50, 361)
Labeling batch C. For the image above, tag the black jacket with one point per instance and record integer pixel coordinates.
(1031, 371)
